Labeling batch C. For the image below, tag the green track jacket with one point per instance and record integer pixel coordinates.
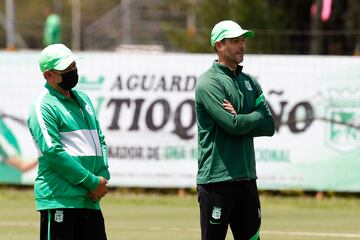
(72, 150)
(225, 141)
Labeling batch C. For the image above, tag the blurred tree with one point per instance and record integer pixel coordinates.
(280, 26)
(352, 23)
(343, 28)
(255, 14)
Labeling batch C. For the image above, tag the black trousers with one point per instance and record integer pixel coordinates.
(72, 224)
(234, 203)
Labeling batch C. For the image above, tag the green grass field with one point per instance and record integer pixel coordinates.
(132, 216)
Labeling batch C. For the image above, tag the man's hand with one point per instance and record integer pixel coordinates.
(100, 191)
(229, 107)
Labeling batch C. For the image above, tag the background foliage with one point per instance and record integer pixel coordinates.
(281, 26)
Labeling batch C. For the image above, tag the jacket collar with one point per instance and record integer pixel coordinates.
(56, 93)
(228, 71)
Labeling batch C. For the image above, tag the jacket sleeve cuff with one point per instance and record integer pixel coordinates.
(91, 182)
(104, 173)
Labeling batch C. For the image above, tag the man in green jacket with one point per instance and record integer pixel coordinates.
(52, 27)
(231, 110)
(73, 167)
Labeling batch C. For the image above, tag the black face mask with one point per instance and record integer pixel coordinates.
(69, 79)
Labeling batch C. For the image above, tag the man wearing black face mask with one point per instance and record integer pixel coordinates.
(73, 167)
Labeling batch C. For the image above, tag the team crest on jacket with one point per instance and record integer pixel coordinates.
(59, 216)
(248, 85)
(216, 213)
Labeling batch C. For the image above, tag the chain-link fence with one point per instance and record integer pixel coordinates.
(158, 25)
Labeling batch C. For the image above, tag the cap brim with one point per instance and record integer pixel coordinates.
(245, 33)
(66, 62)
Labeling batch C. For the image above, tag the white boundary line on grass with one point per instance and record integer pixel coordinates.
(267, 232)
(19, 224)
(176, 229)
(311, 234)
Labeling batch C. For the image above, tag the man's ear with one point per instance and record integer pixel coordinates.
(46, 74)
(218, 46)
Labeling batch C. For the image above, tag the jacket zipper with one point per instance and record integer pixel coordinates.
(241, 98)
